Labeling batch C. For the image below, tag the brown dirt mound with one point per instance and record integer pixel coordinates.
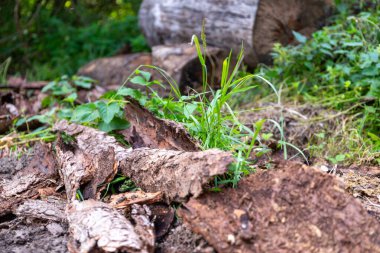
(292, 209)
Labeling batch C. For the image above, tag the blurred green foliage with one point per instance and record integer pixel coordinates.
(338, 67)
(49, 38)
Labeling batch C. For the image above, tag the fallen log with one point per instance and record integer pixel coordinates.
(228, 23)
(181, 62)
(115, 70)
(293, 208)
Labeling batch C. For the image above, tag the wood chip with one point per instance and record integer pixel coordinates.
(126, 199)
(49, 209)
(95, 226)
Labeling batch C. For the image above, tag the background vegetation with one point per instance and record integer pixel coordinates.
(49, 38)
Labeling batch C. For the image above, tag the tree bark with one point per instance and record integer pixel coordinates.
(229, 23)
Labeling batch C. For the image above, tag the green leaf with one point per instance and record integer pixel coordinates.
(189, 109)
(146, 75)
(129, 92)
(49, 86)
(340, 158)
(299, 37)
(85, 113)
(71, 98)
(107, 111)
(139, 80)
(82, 84)
(115, 124)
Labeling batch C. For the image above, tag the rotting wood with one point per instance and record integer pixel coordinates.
(41, 172)
(294, 208)
(79, 169)
(123, 200)
(49, 209)
(112, 72)
(228, 23)
(141, 214)
(95, 226)
(163, 217)
(178, 174)
(146, 130)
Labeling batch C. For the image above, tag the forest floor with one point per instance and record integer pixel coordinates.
(313, 205)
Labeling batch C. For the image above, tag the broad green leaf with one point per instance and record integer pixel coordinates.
(85, 113)
(71, 98)
(299, 37)
(146, 75)
(129, 92)
(82, 84)
(340, 158)
(115, 124)
(107, 111)
(188, 109)
(139, 80)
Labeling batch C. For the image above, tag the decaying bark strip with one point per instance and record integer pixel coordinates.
(151, 132)
(49, 209)
(178, 174)
(126, 199)
(292, 209)
(39, 173)
(96, 226)
(79, 169)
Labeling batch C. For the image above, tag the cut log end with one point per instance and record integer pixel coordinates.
(277, 19)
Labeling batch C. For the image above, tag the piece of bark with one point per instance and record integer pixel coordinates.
(141, 214)
(147, 130)
(39, 173)
(81, 170)
(178, 174)
(123, 200)
(49, 209)
(96, 227)
(181, 62)
(229, 23)
(292, 209)
(163, 217)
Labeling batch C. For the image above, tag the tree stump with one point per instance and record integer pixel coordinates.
(229, 23)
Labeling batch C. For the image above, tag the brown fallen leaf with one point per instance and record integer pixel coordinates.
(79, 169)
(292, 209)
(49, 209)
(178, 174)
(39, 173)
(151, 132)
(95, 226)
(126, 199)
